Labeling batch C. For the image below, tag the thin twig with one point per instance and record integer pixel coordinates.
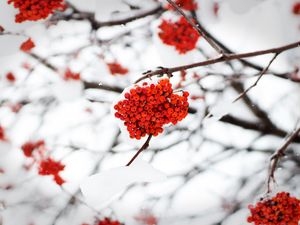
(258, 79)
(277, 156)
(144, 147)
(222, 58)
(197, 28)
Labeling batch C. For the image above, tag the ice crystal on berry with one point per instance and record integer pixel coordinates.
(279, 210)
(184, 4)
(179, 34)
(146, 109)
(33, 10)
(51, 167)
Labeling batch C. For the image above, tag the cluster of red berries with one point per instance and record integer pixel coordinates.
(146, 109)
(179, 34)
(49, 166)
(279, 210)
(296, 8)
(69, 75)
(184, 4)
(116, 68)
(30, 146)
(27, 45)
(2, 134)
(33, 10)
(106, 221)
(10, 77)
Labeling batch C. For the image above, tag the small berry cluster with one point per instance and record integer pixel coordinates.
(279, 210)
(116, 68)
(49, 166)
(296, 8)
(146, 109)
(33, 10)
(179, 34)
(69, 75)
(184, 4)
(46, 165)
(30, 146)
(27, 45)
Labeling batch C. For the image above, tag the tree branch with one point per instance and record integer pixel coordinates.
(275, 158)
(222, 58)
(144, 147)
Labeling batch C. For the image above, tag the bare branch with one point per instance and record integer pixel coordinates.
(258, 79)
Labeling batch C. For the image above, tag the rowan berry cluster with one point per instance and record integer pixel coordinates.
(279, 210)
(33, 10)
(146, 109)
(69, 75)
(116, 68)
(27, 45)
(296, 8)
(49, 166)
(29, 147)
(179, 34)
(184, 4)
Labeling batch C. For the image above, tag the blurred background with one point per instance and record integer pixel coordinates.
(60, 94)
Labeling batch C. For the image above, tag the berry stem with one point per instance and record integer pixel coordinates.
(144, 147)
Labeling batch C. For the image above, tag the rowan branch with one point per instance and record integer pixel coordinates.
(258, 79)
(222, 58)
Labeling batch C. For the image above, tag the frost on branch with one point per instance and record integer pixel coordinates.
(100, 188)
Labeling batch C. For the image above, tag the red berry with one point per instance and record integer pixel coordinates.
(10, 77)
(116, 68)
(2, 134)
(69, 75)
(27, 45)
(296, 8)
